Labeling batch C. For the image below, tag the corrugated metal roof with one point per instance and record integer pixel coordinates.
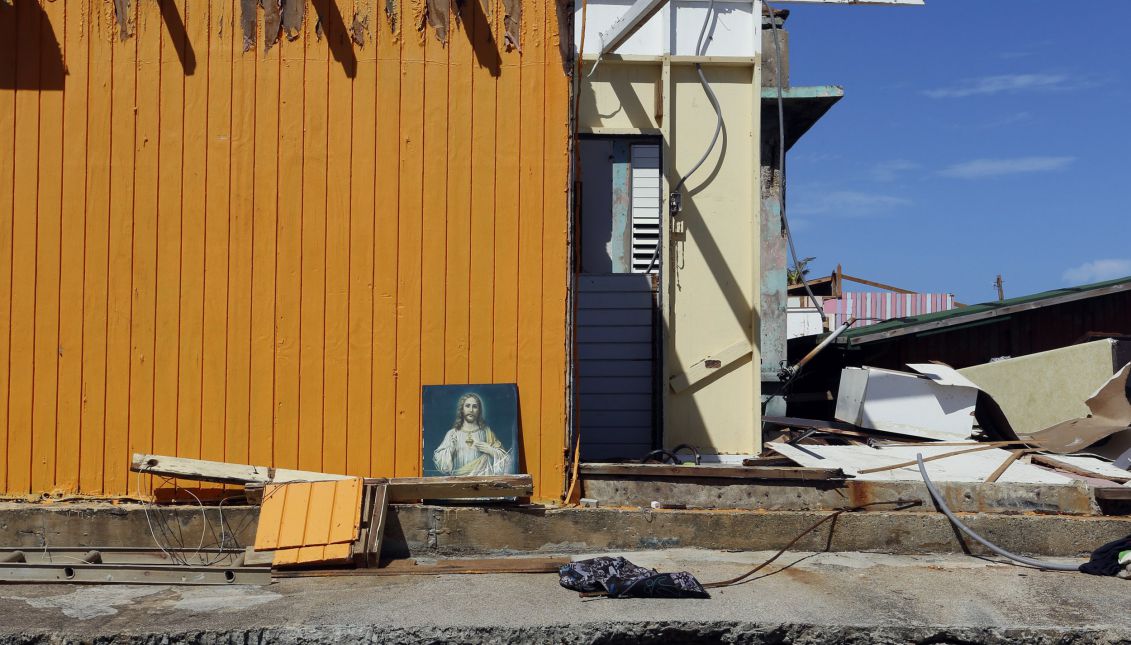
(973, 313)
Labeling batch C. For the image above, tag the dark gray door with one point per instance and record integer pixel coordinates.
(616, 329)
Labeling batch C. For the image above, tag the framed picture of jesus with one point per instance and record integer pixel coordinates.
(470, 430)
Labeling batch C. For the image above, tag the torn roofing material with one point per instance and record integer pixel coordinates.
(980, 312)
(1110, 409)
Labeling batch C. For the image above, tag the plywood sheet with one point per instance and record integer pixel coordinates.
(970, 467)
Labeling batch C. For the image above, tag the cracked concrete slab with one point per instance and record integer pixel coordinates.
(803, 598)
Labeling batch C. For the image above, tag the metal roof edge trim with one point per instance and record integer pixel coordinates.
(982, 315)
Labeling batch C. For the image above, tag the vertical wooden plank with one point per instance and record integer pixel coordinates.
(359, 415)
(386, 233)
(217, 177)
(292, 527)
(481, 277)
(9, 62)
(532, 119)
(508, 152)
(409, 258)
(461, 124)
(271, 516)
(288, 251)
(145, 209)
(167, 297)
(313, 305)
(48, 231)
(71, 249)
(22, 329)
(119, 270)
(555, 268)
(241, 294)
(194, 197)
(377, 520)
(266, 224)
(99, 126)
(434, 241)
(342, 70)
(345, 521)
(320, 513)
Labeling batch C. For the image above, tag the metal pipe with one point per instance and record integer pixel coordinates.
(824, 343)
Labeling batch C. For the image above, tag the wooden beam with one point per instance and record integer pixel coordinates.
(709, 365)
(1013, 456)
(413, 489)
(727, 472)
(878, 285)
(632, 19)
(221, 472)
(1113, 493)
(401, 489)
(905, 464)
(379, 505)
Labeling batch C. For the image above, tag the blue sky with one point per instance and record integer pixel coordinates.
(976, 137)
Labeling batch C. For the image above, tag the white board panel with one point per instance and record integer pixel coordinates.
(733, 29)
(969, 467)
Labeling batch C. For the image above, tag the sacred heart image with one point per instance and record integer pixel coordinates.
(470, 430)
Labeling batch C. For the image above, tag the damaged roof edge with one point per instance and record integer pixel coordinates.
(984, 311)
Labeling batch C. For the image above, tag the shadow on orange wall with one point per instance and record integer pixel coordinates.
(30, 56)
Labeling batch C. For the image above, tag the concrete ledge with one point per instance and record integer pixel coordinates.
(705, 492)
(438, 531)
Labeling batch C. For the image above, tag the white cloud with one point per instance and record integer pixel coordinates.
(846, 203)
(1098, 271)
(1003, 83)
(981, 168)
(890, 170)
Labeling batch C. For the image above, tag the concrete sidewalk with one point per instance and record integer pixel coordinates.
(826, 597)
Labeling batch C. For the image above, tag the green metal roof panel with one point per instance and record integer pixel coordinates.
(972, 313)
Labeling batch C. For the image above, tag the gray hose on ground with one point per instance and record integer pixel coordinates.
(1040, 564)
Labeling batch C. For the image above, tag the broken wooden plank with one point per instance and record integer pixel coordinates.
(379, 504)
(1113, 493)
(414, 489)
(728, 472)
(444, 567)
(1013, 456)
(913, 462)
(309, 514)
(1086, 466)
(222, 472)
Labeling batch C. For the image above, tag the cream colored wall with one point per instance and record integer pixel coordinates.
(712, 278)
(711, 256)
(621, 96)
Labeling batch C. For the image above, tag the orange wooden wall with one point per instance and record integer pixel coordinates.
(260, 256)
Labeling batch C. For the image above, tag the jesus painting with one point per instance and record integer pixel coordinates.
(470, 447)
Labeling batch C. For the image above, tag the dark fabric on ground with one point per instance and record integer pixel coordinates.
(620, 578)
(1105, 560)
